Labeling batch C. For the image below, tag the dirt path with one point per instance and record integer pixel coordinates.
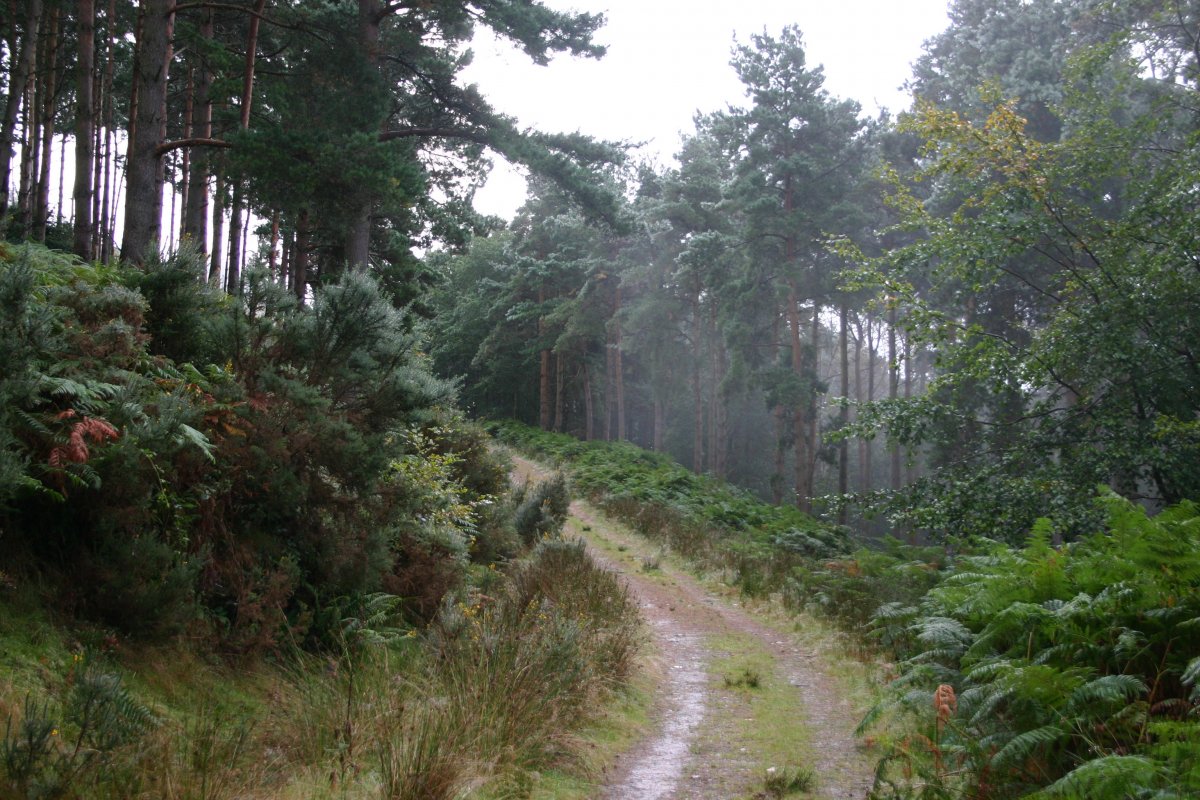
(738, 697)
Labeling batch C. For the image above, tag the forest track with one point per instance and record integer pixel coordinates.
(711, 740)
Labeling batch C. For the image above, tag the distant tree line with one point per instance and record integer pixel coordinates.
(965, 318)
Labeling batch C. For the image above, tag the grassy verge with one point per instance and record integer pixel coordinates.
(503, 696)
(711, 523)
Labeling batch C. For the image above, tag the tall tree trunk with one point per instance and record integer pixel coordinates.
(814, 418)
(858, 399)
(143, 192)
(218, 229)
(698, 421)
(107, 221)
(713, 381)
(721, 410)
(844, 414)
(21, 70)
(544, 408)
(559, 382)
(800, 468)
(41, 213)
(697, 396)
(195, 215)
(31, 142)
(358, 239)
(780, 420)
(236, 232)
(300, 258)
(589, 424)
(893, 392)
(608, 389)
(62, 171)
(619, 367)
(872, 358)
(271, 256)
(909, 462)
(98, 103)
(285, 258)
(185, 168)
(660, 422)
(233, 267)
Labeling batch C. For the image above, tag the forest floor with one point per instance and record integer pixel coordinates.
(747, 702)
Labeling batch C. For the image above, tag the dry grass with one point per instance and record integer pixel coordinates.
(486, 700)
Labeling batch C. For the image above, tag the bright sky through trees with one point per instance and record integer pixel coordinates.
(668, 59)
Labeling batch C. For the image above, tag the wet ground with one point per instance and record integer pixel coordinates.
(703, 745)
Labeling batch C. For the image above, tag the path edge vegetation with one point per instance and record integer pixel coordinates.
(1037, 670)
(292, 571)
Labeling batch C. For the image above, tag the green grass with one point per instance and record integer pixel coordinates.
(773, 727)
(526, 691)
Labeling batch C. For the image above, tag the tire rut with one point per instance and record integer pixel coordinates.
(680, 759)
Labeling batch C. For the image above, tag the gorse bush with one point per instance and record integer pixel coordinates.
(1072, 669)
(541, 510)
(242, 467)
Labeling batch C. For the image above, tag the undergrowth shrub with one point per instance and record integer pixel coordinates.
(542, 509)
(65, 747)
(509, 674)
(302, 460)
(707, 521)
(1064, 671)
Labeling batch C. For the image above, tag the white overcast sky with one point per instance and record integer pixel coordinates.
(668, 59)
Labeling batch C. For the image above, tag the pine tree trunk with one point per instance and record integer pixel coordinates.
(271, 256)
(872, 357)
(698, 422)
(893, 392)
(236, 221)
(814, 419)
(544, 408)
(233, 268)
(21, 69)
(858, 399)
(300, 259)
(107, 220)
(97, 155)
(660, 422)
(185, 168)
(143, 195)
(41, 214)
(195, 215)
(62, 171)
(30, 144)
(287, 247)
(608, 389)
(218, 229)
(559, 381)
(909, 463)
(799, 423)
(844, 414)
(589, 424)
(619, 367)
(721, 410)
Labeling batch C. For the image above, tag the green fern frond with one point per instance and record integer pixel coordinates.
(1116, 777)
(1023, 745)
(1191, 673)
(1108, 689)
